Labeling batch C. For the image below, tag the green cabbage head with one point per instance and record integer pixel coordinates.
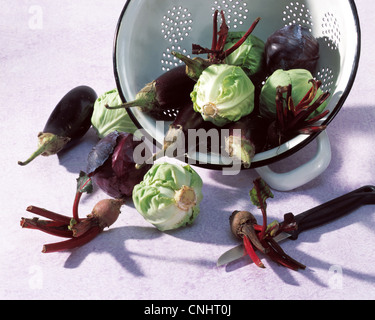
(105, 121)
(298, 78)
(250, 54)
(169, 196)
(223, 93)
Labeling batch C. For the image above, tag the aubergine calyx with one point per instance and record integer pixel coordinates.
(240, 149)
(48, 144)
(146, 99)
(195, 66)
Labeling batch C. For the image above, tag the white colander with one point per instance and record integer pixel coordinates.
(148, 30)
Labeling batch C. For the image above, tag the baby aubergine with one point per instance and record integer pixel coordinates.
(69, 121)
(247, 137)
(168, 92)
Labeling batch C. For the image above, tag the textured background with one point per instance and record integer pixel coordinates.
(70, 43)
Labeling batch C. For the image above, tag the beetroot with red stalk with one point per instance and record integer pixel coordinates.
(78, 231)
(293, 119)
(261, 237)
(218, 53)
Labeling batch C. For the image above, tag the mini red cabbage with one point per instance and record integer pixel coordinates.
(292, 47)
(111, 164)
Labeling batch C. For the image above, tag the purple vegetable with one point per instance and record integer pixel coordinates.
(68, 122)
(186, 119)
(292, 47)
(168, 92)
(251, 140)
(111, 164)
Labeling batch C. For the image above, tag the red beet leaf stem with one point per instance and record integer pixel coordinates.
(48, 214)
(264, 214)
(72, 243)
(214, 33)
(242, 40)
(77, 199)
(50, 227)
(223, 33)
(75, 206)
(251, 252)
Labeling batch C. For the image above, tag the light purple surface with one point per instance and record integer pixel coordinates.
(39, 63)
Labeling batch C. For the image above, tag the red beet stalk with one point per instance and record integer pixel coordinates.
(80, 231)
(216, 55)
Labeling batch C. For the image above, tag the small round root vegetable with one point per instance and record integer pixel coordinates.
(103, 215)
(69, 121)
(107, 211)
(243, 225)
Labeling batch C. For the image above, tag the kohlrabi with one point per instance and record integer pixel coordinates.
(223, 93)
(169, 196)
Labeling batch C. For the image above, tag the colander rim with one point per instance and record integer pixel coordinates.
(276, 157)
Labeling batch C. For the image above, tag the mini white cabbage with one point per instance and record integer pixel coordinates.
(105, 121)
(223, 94)
(250, 54)
(169, 196)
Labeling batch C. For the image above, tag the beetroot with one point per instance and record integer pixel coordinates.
(79, 231)
(294, 118)
(261, 237)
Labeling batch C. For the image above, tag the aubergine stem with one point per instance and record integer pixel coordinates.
(48, 144)
(145, 99)
(195, 66)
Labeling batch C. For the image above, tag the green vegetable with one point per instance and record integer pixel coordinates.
(223, 94)
(105, 121)
(299, 79)
(250, 55)
(169, 196)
